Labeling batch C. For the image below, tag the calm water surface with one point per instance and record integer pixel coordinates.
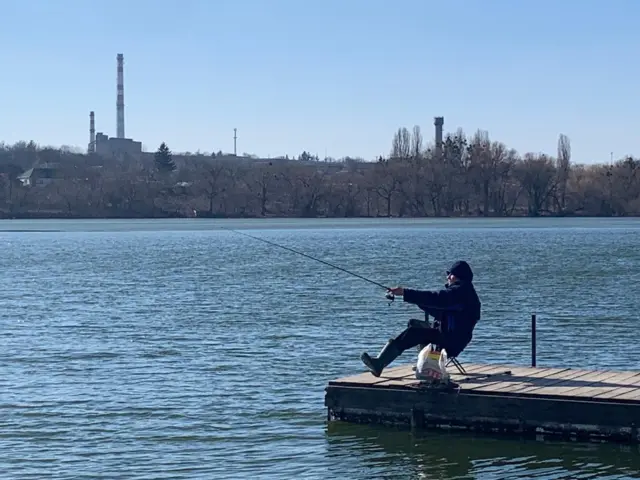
(177, 349)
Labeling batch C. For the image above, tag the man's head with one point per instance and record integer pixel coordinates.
(460, 271)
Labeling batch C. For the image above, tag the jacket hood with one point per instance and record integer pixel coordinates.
(462, 270)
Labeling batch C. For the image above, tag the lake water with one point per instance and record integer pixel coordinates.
(177, 349)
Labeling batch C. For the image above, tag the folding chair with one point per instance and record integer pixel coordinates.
(457, 364)
(426, 323)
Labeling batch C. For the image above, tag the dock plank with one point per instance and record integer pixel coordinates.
(469, 367)
(479, 373)
(632, 395)
(633, 385)
(496, 380)
(405, 372)
(368, 378)
(560, 401)
(530, 378)
(594, 385)
(567, 377)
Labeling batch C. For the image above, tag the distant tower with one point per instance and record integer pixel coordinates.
(120, 98)
(438, 122)
(235, 139)
(92, 133)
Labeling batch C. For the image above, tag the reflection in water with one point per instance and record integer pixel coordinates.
(388, 452)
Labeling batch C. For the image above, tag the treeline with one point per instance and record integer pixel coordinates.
(467, 176)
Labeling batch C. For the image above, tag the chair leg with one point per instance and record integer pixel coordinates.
(458, 365)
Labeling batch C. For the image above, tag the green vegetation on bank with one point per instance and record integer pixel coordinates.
(469, 176)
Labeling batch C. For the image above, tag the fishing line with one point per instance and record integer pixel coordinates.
(389, 295)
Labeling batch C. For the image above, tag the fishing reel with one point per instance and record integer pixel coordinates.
(391, 297)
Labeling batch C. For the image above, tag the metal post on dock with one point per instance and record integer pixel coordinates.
(533, 340)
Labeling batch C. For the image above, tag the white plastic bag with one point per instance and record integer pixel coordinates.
(432, 365)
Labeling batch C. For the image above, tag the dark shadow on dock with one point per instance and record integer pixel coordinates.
(586, 380)
(399, 453)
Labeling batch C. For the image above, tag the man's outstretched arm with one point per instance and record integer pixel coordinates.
(444, 299)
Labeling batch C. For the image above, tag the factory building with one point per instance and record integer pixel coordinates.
(114, 147)
(118, 146)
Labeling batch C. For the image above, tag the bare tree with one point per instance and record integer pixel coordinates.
(401, 145)
(506, 190)
(211, 178)
(482, 166)
(314, 185)
(416, 143)
(387, 182)
(473, 176)
(563, 164)
(537, 175)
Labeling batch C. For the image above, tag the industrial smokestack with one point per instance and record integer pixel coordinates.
(92, 132)
(120, 98)
(235, 139)
(438, 122)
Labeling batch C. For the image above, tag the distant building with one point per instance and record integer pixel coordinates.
(39, 176)
(116, 147)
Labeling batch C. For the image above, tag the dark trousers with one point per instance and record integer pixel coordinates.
(413, 336)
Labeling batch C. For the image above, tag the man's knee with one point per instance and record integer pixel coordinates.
(420, 335)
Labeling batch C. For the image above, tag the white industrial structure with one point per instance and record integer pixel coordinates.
(119, 145)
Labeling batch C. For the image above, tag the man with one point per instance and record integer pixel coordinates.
(456, 308)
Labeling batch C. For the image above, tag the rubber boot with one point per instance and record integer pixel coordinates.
(387, 355)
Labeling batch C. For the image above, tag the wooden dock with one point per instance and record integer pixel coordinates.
(573, 403)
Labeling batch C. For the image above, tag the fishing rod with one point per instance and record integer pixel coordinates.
(389, 295)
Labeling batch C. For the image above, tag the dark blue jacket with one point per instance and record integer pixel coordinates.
(456, 307)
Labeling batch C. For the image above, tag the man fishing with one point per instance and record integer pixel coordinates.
(456, 308)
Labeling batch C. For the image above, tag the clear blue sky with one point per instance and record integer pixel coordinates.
(327, 76)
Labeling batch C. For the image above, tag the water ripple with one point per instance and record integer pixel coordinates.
(164, 351)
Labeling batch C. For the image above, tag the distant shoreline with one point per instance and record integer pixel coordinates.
(318, 218)
(223, 226)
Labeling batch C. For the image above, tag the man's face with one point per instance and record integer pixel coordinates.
(451, 278)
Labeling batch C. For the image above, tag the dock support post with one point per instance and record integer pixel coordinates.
(417, 419)
(533, 340)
